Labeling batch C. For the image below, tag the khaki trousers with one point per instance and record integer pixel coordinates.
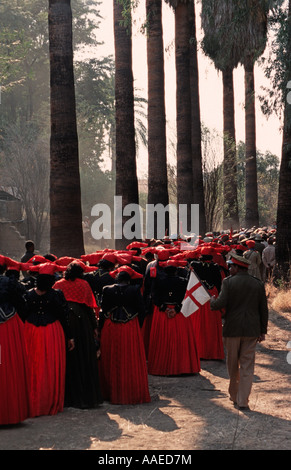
(240, 365)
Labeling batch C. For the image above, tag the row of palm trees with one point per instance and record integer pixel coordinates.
(234, 32)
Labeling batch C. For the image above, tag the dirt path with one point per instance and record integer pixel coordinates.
(186, 413)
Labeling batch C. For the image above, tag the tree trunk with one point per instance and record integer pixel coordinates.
(126, 175)
(252, 211)
(230, 215)
(283, 238)
(66, 234)
(157, 145)
(183, 103)
(198, 190)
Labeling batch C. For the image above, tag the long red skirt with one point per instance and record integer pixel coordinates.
(146, 331)
(207, 325)
(47, 364)
(172, 348)
(123, 370)
(14, 394)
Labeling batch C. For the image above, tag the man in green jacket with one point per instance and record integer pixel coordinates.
(245, 311)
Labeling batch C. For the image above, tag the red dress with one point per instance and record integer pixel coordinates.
(14, 392)
(123, 370)
(146, 331)
(172, 347)
(45, 326)
(207, 323)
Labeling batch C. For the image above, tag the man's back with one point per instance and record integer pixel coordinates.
(244, 300)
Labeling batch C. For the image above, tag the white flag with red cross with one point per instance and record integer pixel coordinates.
(196, 296)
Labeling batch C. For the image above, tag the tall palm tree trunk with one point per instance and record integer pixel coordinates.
(283, 239)
(252, 211)
(157, 145)
(198, 190)
(230, 216)
(66, 234)
(126, 173)
(183, 103)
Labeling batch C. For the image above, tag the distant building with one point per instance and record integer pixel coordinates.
(11, 241)
(10, 207)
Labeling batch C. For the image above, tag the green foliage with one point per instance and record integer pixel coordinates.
(86, 20)
(268, 181)
(267, 175)
(95, 99)
(128, 6)
(25, 98)
(234, 30)
(212, 178)
(277, 62)
(95, 114)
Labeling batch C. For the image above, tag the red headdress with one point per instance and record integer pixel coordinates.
(250, 243)
(136, 245)
(162, 253)
(38, 259)
(92, 258)
(174, 263)
(46, 268)
(65, 260)
(133, 274)
(3, 260)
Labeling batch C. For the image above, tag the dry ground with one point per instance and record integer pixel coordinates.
(186, 413)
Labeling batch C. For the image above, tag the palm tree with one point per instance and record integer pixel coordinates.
(183, 105)
(66, 234)
(252, 210)
(126, 184)
(221, 44)
(157, 146)
(253, 28)
(196, 137)
(283, 239)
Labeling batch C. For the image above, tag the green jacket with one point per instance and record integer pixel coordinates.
(246, 309)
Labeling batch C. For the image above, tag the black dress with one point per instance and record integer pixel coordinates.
(82, 375)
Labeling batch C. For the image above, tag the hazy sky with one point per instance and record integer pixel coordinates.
(269, 136)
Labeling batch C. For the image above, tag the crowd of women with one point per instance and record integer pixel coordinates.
(77, 332)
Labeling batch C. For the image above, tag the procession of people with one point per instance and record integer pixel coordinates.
(80, 332)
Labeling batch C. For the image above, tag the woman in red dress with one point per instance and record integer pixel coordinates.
(207, 323)
(14, 392)
(172, 346)
(46, 316)
(123, 370)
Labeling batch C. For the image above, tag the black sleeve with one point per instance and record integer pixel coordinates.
(63, 311)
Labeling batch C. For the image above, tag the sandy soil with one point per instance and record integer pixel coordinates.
(186, 413)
